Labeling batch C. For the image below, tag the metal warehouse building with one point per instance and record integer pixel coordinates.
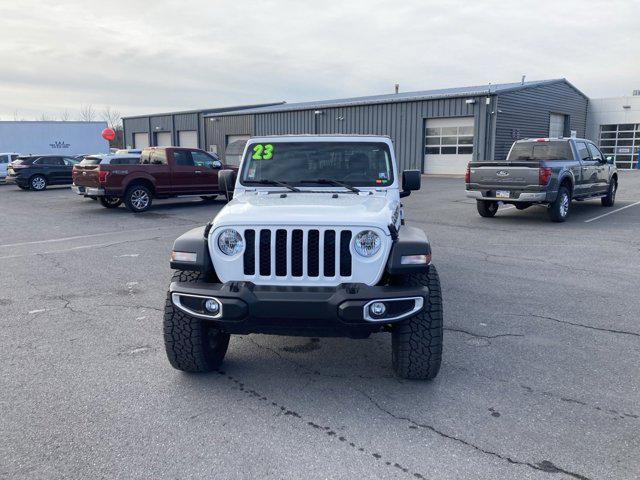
(436, 131)
(175, 128)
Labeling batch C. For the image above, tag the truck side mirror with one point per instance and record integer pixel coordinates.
(411, 180)
(609, 160)
(216, 164)
(227, 181)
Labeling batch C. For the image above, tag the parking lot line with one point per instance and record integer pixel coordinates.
(77, 237)
(610, 213)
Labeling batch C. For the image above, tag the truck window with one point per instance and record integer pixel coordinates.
(201, 159)
(583, 151)
(125, 161)
(158, 157)
(183, 158)
(595, 153)
(145, 157)
(536, 151)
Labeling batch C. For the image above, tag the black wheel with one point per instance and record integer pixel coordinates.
(416, 343)
(610, 198)
(110, 202)
(38, 183)
(487, 208)
(138, 198)
(559, 210)
(192, 344)
(522, 206)
(209, 198)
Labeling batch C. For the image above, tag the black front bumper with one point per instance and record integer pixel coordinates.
(311, 311)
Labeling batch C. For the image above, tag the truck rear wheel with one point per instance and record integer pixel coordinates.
(416, 343)
(559, 210)
(138, 198)
(487, 208)
(192, 344)
(110, 202)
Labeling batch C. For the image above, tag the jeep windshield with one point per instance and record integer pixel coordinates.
(354, 164)
(540, 150)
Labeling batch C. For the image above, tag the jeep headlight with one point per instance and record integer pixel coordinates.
(367, 243)
(230, 242)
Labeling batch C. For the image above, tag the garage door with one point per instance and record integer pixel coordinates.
(188, 138)
(448, 145)
(556, 125)
(163, 139)
(140, 140)
(235, 138)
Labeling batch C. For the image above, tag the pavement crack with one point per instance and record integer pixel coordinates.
(478, 335)
(543, 466)
(328, 432)
(124, 305)
(575, 324)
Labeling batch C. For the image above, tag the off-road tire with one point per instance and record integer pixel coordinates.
(559, 210)
(610, 198)
(416, 343)
(134, 192)
(487, 208)
(110, 202)
(192, 344)
(38, 183)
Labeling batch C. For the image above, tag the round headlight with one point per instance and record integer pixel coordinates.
(230, 242)
(367, 243)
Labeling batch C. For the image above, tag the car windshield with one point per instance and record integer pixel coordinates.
(361, 164)
(541, 150)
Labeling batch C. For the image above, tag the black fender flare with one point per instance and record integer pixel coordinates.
(409, 241)
(193, 241)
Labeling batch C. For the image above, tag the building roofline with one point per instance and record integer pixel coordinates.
(472, 91)
(207, 110)
(101, 122)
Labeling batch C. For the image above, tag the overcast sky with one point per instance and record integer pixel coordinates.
(152, 56)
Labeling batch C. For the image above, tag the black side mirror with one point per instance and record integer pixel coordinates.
(411, 180)
(227, 181)
(609, 160)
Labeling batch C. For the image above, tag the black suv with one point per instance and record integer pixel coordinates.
(35, 172)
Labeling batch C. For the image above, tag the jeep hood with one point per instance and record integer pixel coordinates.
(308, 209)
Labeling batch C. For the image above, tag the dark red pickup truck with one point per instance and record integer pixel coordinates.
(163, 172)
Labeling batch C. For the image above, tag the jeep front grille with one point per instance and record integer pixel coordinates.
(297, 252)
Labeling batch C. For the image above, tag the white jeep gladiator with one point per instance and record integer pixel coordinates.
(313, 243)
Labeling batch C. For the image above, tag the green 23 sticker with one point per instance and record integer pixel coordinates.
(262, 152)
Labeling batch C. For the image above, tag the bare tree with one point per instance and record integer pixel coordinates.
(87, 113)
(16, 116)
(112, 117)
(44, 117)
(64, 116)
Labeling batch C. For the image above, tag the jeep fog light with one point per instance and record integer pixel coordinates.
(230, 242)
(183, 256)
(367, 243)
(415, 259)
(377, 309)
(212, 306)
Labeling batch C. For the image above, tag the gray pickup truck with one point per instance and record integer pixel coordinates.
(547, 171)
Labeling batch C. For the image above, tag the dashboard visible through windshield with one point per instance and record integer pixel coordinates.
(358, 164)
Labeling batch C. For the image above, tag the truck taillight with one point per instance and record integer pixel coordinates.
(543, 175)
(467, 175)
(74, 172)
(102, 176)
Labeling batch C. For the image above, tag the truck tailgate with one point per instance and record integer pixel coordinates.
(503, 174)
(86, 175)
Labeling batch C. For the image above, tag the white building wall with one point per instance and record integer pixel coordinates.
(608, 111)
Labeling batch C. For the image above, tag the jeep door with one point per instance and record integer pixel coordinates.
(588, 166)
(602, 168)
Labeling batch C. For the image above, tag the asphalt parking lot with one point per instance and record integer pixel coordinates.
(540, 376)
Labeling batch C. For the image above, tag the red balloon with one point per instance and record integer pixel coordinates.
(108, 134)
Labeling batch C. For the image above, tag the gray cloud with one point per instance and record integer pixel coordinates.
(140, 57)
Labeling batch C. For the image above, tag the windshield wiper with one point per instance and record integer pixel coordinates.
(273, 182)
(331, 181)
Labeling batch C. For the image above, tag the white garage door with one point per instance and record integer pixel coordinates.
(235, 138)
(188, 138)
(556, 125)
(163, 139)
(448, 145)
(140, 140)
